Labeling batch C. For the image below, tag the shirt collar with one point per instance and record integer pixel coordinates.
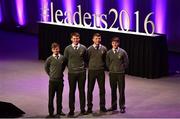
(78, 45)
(115, 49)
(56, 55)
(94, 45)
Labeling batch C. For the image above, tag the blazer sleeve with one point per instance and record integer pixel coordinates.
(47, 66)
(107, 61)
(126, 60)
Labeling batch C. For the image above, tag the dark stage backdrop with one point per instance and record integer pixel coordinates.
(32, 13)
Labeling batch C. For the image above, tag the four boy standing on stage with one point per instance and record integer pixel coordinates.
(97, 56)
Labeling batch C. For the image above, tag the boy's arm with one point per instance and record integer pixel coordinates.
(66, 53)
(64, 64)
(107, 60)
(86, 58)
(47, 66)
(126, 60)
(104, 58)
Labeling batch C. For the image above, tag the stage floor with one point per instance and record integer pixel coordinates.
(25, 84)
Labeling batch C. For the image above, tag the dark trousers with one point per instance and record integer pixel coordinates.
(75, 78)
(92, 76)
(117, 80)
(55, 87)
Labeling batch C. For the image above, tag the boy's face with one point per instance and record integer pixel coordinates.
(55, 50)
(97, 40)
(115, 44)
(75, 40)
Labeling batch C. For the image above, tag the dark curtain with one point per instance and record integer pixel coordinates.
(148, 56)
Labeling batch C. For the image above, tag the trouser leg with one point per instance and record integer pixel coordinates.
(72, 88)
(113, 85)
(91, 84)
(51, 97)
(121, 86)
(81, 86)
(101, 84)
(59, 93)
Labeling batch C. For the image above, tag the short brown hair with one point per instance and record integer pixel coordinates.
(75, 34)
(116, 39)
(54, 45)
(96, 34)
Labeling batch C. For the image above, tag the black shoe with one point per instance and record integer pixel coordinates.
(62, 114)
(89, 111)
(122, 110)
(50, 116)
(83, 112)
(103, 110)
(57, 116)
(112, 109)
(70, 114)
